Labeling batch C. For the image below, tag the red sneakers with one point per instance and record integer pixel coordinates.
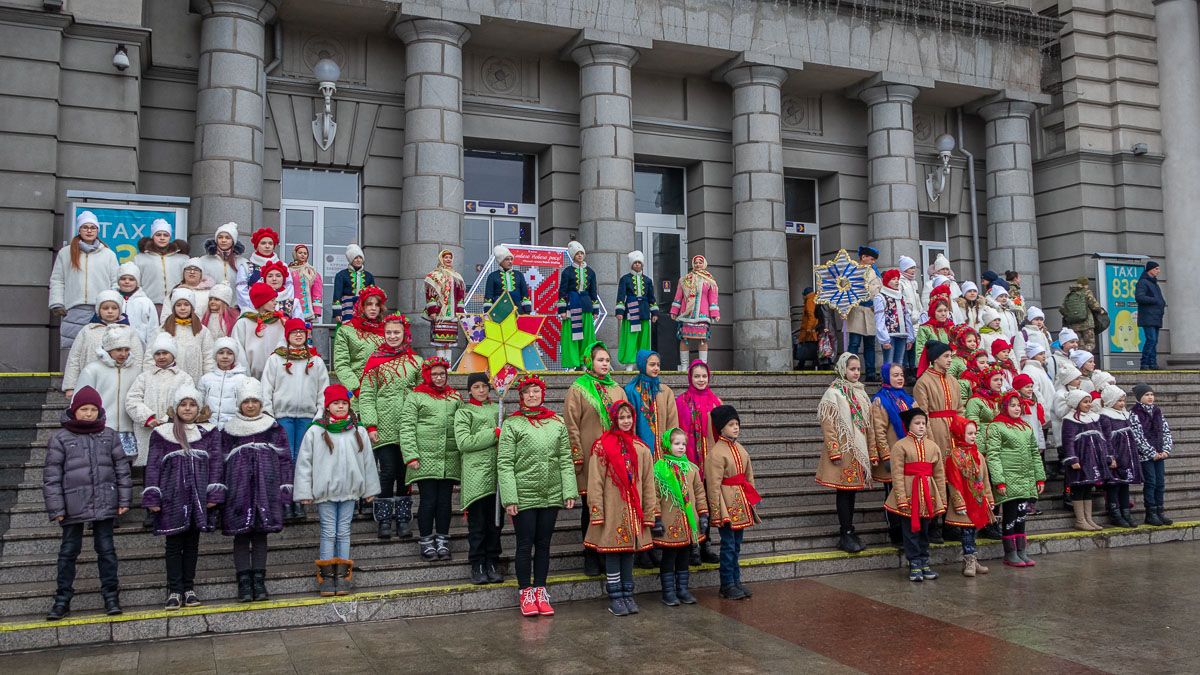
(543, 601)
(529, 603)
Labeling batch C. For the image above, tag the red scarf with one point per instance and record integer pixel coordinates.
(366, 326)
(965, 459)
(427, 386)
(617, 449)
(1028, 406)
(535, 414)
(385, 353)
(1002, 412)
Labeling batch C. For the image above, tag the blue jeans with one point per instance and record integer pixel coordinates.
(968, 541)
(1154, 482)
(895, 352)
(1150, 347)
(916, 544)
(865, 345)
(731, 551)
(295, 428)
(335, 528)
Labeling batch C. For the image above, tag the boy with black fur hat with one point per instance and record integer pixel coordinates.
(919, 494)
(729, 486)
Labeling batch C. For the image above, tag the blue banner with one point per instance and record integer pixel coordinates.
(121, 226)
(1120, 284)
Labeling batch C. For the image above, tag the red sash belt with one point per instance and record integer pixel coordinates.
(942, 414)
(739, 480)
(922, 473)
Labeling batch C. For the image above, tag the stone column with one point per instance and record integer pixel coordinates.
(1012, 228)
(606, 166)
(1179, 102)
(892, 219)
(230, 98)
(432, 200)
(761, 305)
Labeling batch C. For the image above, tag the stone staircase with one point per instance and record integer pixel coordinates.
(795, 539)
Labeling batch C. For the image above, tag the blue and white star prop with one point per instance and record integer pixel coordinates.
(841, 283)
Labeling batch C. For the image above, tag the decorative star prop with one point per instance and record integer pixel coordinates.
(504, 342)
(841, 283)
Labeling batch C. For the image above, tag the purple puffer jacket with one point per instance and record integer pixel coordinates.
(182, 482)
(258, 481)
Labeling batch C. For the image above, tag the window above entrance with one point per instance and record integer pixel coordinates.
(658, 189)
(500, 176)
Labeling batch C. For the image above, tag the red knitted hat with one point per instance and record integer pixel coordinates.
(274, 266)
(294, 324)
(264, 233)
(261, 294)
(999, 346)
(1022, 380)
(336, 392)
(890, 276)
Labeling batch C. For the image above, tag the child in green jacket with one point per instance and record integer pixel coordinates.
(477, 434)
(431, 453)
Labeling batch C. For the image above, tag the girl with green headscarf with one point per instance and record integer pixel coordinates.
(684, 520)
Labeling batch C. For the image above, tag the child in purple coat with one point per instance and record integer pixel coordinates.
(183, 485)
(258, 487)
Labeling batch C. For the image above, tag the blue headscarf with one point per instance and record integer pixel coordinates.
(643, 383)
(893, 401)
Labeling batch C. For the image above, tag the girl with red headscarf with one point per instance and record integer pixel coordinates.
(968, 490)
(937, 327)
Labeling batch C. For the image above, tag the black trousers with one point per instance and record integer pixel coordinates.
(250, 551)
(1117, 495)
(182, 551)
(534, 528)
(106, 558)
(674, 559)
(916, 544)
(1013, 514)
(483, 534)
(845, 510)
(391, 471)
(618, 568)
(434, 512)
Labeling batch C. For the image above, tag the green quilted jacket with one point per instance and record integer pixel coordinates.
(980, 412)
(427, 434)
(958, 366)
(475, 433)
(351, 350)
(927, 333)
(534, 464)
(1013, 460)
(382, 396)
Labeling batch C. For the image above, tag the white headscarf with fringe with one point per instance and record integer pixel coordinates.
(834, 410)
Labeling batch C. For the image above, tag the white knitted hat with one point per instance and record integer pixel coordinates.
(1110, 394)
(230, 229)
(354, 251)
(1080, 357)
(574, 247)
(185, 391)
(250, 388)
(117, 336)
(108, 295)
(159, 225)
(222, 292)
(163, 342)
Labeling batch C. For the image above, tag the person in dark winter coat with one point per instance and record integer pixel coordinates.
(85, 480)
(1152, 437)
(349, 282)
(1151, 306)
(504, 280)
(183, 485)
(258, 487)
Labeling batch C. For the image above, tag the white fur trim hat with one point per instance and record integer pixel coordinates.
(226, 343)
(117, 336)
(906, 263)
(184, 392)
(940, 263)
(1110, 394)
(183, 294)
(1066, 335)
(996, 291)
(1075, 396)
(221, 292)
(1067, 372)
(159, 225)
(990, 315)
(354, 251)
(86, 218)
(1034, 313)
(968, 286)
(194, 262)
(163, 342)
(108, 295)
(636, 257)
(230, 228)
(1080, 357)
(574, 247)
(500, 252)
(249, 389)
(130, 269)
(1032, 349)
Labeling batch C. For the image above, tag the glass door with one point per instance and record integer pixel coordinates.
(663, 243)
(485, 225)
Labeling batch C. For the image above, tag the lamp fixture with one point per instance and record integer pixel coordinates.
(324, 126)
(937, 180)
(120, 58)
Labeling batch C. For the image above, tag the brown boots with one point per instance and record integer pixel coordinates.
(335, 577)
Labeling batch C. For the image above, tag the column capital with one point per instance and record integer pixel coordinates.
(883, 87)
(999, 106)
(410, 30)
(741, 74)
(261, 11)
(604, 52)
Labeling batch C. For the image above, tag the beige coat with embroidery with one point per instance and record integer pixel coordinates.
(901, 499)
(677, 528)
(883, 438)
(613, 524)
(584, 428)
(849, 457)
(727, 504)
(936, 392)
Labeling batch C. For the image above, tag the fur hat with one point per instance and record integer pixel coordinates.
(230, 228)
(1021, 380)
(183, 392)
(941, 263)
(1032, 349)
(1140, 390)
(1034, 313)
(990, 315)
(293, 324)
(722, 415)
(86, 218)
(1075, 397)
(249, 389)
(636, 257)
(1066, 335)
(999, 346)
(264, 233)
(906, 416)
(226, 343)
(1080, 357)
(194, 262)
(1110, 394)
(478, 377)
(163, 342)
(500, 252)
(906, 263)
(261, 294)
(183, 294)
(117, 337)
(108, 295)
(996, 291)
(354, 251)
(336, 392)
(221, 292)
(160, 225)
(935, 348)
(574, 247)
(967, 287)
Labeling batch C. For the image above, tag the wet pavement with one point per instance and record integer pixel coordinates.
(1126, 610)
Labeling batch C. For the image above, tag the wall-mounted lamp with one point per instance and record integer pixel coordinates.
(1140, 149)
(121, 58)
(937, 180)
(324, 126)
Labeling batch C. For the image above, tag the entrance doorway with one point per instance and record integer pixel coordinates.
(934, 241)
(663, 243)
(487, 224)
(801, 216)
(320, 208)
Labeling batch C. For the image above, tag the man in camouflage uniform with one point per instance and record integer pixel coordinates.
(1086, 329)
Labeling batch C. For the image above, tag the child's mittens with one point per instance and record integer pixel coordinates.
(704, 522)
(658, 530)
(497, 432)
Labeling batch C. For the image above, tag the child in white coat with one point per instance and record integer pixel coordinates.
(86, 347)
(152, 391)
(334, 469)
(138, 308)
(82, 269)
(195, 343)
(219, 388)
(161, 261)
(112, 375)
(261, 331)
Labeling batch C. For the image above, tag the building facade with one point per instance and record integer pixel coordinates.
(762, 134)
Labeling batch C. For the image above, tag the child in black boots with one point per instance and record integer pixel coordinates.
(683, 505)
(729, 486)
(1152, 435)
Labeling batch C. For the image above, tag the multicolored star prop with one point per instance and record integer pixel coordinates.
(506, 342)
(841, 283)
